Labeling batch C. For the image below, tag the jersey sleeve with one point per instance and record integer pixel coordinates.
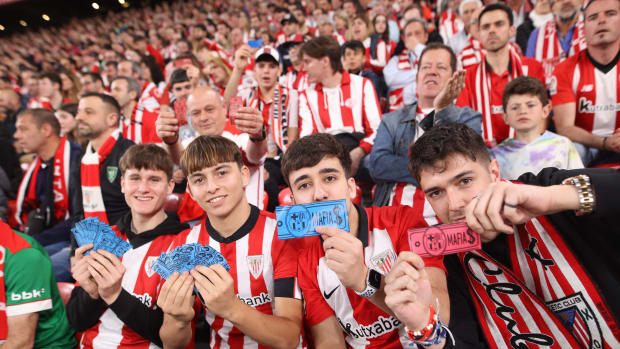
(560, 85)
(316, 308)
(284, 269)
(305, 121)
(371, 115)
(28, 278)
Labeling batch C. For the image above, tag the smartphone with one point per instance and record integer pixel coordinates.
(234, 105)
(258, 43)
(180, 111)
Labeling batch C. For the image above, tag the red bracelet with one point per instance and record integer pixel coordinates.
(427, 331)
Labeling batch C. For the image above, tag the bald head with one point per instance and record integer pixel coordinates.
(207, 111)
(9, 100)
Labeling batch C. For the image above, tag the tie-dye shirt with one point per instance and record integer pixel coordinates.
(549, 150)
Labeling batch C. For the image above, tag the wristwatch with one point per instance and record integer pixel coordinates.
(262, 138)
(585, 192)
(373, 283)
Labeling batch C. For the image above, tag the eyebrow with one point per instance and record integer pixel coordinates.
(321, 171)
(458, 176)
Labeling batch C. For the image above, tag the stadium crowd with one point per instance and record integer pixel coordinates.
(190, 121)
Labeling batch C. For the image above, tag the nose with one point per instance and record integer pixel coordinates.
(211, 186)
(455, 200)
(143, 185)
(320, 194)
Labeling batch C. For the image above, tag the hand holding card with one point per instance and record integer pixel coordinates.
(187, 257)
(441, 240)
(93, 231)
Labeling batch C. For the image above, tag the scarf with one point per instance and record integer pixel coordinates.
(277, 113)
(548, 267)
(548, 49)
(482, 95)
(406, 61)
(92, 199)
(27, 188)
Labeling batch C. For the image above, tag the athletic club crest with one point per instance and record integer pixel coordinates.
(577, 316)
(384, 261)
(255, 265)
(148, 265)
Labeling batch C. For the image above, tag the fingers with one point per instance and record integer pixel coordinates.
(495, 210)
(79, 252)
(407, 264)
(165, 292)
(331, 231)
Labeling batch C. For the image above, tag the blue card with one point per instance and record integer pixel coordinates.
(101, 235)
(187, 257)
(296, 221)
(258, 43)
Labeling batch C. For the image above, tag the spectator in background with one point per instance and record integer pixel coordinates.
(559, 38)
(50, 92)
(540, 15)
(462, 38)
(10, 107)
(152, 73)
(326, 28)
(341, 22)
(353, 59)
(147, 98)
(449, 21)
(68, 125)
(584, 106)
(400, 72)
(138, 124)
(33, 314)
(70, 85)
(533, 148)
(484, 84)
(438, 84)
(340, 104)
(92, 83)
(110, 70)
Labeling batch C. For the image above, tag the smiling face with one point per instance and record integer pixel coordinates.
(450, 184)
(434, 71)
(219, 189)
(146, 190)
(526, 113)
(602, 23)
(207, 111)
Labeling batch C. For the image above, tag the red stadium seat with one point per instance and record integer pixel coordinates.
(284, 198)
(173, 202)
(358, 195)
(65, 289)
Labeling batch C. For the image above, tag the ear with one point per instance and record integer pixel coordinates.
(494, 171)
(170, 186)
(512, 31)
(123, 184)
(113, 119)
(352, 188)
(505, 118)
(189, 190)
(547, 109)
(245, 175)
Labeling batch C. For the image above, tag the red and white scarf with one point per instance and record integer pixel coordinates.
(26, 193)
(482, 95)
(396, 97)
(548, 49)
(92, 199)
(278, 118)
(541, 258)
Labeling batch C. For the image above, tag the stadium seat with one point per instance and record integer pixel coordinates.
(284, 198)
(65, 289)
(358, 195)
(173, 202)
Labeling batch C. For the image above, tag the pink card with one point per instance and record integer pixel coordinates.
(234, 105)
(441, 240)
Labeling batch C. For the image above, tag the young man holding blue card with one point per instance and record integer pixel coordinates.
(341, 274)
(545, 274)
(114, 304)
(256, 302)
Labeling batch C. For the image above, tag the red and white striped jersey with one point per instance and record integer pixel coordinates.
(140, 127)
(351, 107)
(407, 194)
(295, 79)
(449, 24)
(262, 266)
(44, 102)
(595, 93)
(383, 233)
(141, 281)
(254, 191)
(384, 52)
(548, 49)
(277, 116)
(149, 97)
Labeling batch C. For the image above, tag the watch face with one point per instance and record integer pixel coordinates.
(374, 279)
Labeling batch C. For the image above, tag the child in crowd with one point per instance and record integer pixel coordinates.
(533, 147)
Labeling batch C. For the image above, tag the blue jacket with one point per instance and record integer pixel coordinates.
(388, 162)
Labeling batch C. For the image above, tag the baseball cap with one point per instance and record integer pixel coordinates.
(289, 18)
(269, 52)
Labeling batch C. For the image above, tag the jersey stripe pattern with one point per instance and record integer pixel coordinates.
(409, 195)
(141, 281)
(256, 260)
(364, 324)
(596, 94)
(351, 107)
